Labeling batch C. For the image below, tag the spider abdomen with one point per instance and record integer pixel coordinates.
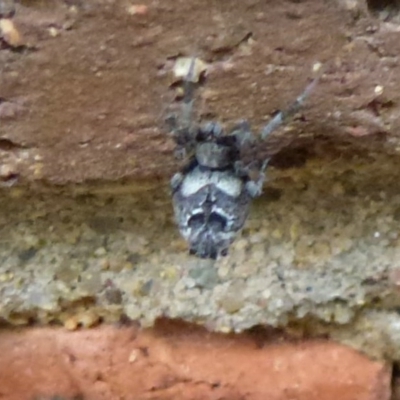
(224, 181)
(210, 207)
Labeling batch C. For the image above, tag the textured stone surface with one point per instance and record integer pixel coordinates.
(175, 361)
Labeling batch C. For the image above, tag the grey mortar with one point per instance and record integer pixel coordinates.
(321, 245)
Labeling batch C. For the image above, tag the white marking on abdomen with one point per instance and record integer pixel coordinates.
(223, 180)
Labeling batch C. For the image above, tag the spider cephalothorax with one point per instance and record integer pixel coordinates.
(213, 192)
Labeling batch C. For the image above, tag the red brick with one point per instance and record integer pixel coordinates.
(180, 362)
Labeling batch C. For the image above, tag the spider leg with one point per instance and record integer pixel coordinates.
(243, 133)
(211, 130)
(188, 100)
(284, 115)
(254, 187)
(244, 137)
(181, 137)
(241, 170)
(172, 122)
(176, 181)
(181, 126)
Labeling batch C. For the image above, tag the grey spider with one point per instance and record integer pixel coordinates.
(213, 192)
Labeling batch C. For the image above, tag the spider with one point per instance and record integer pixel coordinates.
(213, 192)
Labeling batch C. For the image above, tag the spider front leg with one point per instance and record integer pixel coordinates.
(210, 131)
(181, 136)
(181, 127)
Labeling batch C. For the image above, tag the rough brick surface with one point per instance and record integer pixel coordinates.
(180, 362)
(97, 113)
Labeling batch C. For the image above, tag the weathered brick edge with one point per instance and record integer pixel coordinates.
(177, 361)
